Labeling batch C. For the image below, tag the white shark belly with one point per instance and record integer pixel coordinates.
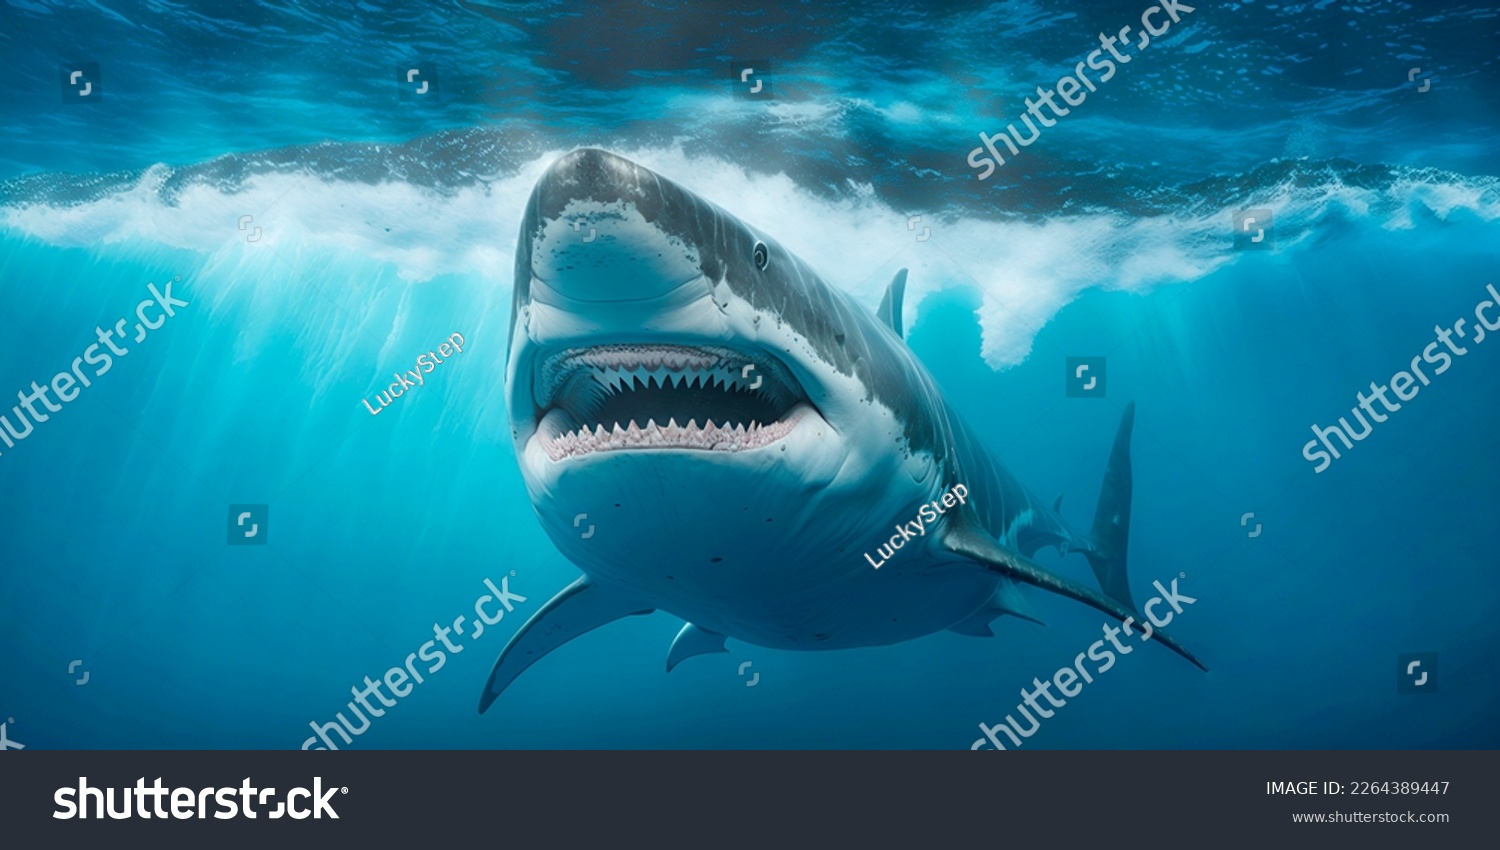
(864, 609)
(749, 563)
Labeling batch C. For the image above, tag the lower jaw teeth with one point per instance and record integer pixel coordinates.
(710, 437)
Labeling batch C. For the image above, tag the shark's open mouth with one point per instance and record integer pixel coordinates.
(614, 397)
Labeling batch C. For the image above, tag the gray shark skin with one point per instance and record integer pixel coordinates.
(740, 435)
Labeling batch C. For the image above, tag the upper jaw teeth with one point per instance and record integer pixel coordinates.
(617, 378)
(618, 366)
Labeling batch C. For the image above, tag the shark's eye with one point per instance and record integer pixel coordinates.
(761, 255)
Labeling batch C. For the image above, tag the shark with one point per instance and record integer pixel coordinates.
(737, 434)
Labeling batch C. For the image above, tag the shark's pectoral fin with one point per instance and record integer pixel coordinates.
(977, 625)
(1006, 599)
(580, 607)
(693, 641)
(889, 312)
(990, 555)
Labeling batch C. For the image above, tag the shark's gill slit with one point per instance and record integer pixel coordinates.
(664, 396)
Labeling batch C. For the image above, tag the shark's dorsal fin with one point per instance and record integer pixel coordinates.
(693, 641)
(1110, 537)
(989, 555)
(889, 312)
(578, 608)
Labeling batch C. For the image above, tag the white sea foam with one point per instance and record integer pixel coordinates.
(1028, 269)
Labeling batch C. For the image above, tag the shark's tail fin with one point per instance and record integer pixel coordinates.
(1104, 547)
(1110, 536)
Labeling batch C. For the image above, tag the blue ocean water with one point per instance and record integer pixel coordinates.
(387, 223)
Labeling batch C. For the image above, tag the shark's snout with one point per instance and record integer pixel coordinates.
(603, 231)
(625, 347)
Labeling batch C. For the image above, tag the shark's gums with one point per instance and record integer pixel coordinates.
(739, 432)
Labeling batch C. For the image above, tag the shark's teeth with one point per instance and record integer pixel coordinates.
(587, 394)
(709, 437)
(622, 367)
